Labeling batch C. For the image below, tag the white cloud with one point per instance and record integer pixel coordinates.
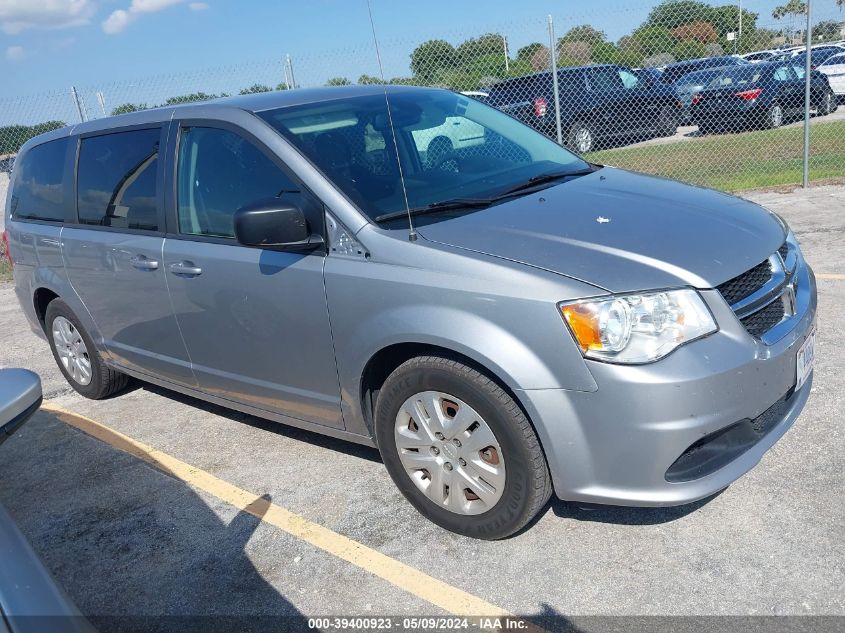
(116, 22)
(19, 15)
(198, 6)
(121, 18)
(15, 53)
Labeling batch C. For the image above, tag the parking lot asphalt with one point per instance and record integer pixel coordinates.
(126, 537)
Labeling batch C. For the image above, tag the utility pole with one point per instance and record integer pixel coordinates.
(78, 102)
(739, 37)
(290, 70)
(553, 59)
(507, 60)
(805, 181)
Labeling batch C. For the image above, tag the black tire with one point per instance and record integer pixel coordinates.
(827, 104)
(527, 485)
(770, 119)
(667, 121)
(104, 380)
(574, 140)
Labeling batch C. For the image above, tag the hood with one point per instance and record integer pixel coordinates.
(622, 232)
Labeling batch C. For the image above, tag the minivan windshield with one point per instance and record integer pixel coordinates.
(455, 151)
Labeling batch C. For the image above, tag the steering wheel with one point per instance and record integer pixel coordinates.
(448, 157)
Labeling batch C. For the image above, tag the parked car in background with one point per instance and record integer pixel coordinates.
(834, 68)
(597, 103)
(478, 95)
(817, 56)
(690, 85)
(764, 95)
(673, 72)
(30, 600)
(759, 56)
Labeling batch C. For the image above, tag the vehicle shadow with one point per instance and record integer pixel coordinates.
(323, 441)
(133, 546)
(623, 515)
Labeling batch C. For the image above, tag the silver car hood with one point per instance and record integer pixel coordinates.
(621, 231)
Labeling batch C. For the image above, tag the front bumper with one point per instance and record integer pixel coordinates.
(615, 445)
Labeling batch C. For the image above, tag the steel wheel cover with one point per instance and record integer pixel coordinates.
(450, 453)
(72, 352)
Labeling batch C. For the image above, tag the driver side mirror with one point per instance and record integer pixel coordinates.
(275, 225)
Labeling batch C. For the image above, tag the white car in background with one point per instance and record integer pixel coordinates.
(834, 68)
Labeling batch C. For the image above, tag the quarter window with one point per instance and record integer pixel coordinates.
(218, 173)
(38, 192)
(118, 180)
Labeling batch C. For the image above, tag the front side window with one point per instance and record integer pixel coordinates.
(117, 180)
(782, 74)
(219, 172)
(602, 79)
(450, 145)
(801, 71)
(38, 189)
(629, 79)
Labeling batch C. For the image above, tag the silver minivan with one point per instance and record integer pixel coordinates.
(498, 316)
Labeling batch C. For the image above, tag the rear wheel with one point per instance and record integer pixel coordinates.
(774, 117)
(828, 103)
(581, 137)
(460, 449)
(667, 121)
(76, 355)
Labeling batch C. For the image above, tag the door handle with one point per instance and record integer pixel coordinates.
(143, 263)
(185, 269)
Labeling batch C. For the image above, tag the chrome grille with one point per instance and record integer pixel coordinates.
(763, 296)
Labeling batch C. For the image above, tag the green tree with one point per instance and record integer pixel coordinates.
(793, 8)
(606, 53)
(828, 30)
(338, 81)
(674, 13)
(725, 19)
(475, 47)
(689, 49)
(13, 136)
(255, 89)
(527, 52)
(283, 86)
(582, 33)
(192, 98)
(652, 40)
(430, 57)
(367, 80)
(125, 108)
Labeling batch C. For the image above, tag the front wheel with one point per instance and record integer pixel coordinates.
(460, 449)
(581, 137)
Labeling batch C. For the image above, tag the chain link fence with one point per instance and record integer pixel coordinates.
(712, 95)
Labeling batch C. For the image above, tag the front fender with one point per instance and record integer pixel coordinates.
(507, 324)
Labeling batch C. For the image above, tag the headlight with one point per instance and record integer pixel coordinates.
(638, 328)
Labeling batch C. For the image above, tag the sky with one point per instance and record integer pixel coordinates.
(144, 50)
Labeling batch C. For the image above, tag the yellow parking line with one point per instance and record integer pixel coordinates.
(410, 579)
(838, 276)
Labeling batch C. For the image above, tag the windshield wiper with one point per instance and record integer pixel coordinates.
(435, 207)
(542, 179)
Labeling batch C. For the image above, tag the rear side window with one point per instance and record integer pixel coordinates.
(218, 173)
(38, 192)
(118, 180)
